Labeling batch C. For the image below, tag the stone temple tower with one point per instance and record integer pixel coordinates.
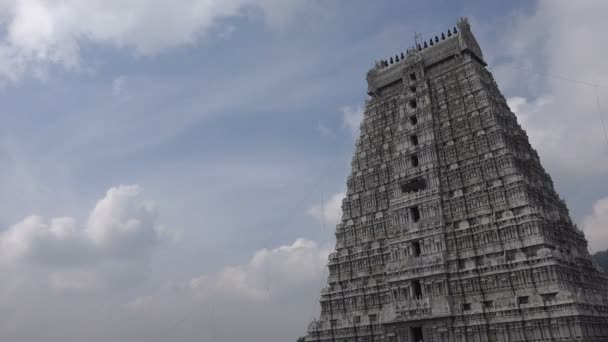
(451, 228)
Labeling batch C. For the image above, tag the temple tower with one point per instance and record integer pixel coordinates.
(451, 228)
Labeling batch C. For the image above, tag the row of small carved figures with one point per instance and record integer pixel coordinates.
(385, 63)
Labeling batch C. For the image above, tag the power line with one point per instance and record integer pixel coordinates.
(558, 77)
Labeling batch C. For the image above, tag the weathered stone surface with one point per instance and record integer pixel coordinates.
(451, 228)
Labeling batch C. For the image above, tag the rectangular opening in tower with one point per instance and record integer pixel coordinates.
(416, 251)
(416, 289)
(413, 103)
(413, 120)
(412, 76)
(415, 214)
(417, 334)
(414, 140)
(414, 160)
(414, 185)
(549, 297)
(412, 90)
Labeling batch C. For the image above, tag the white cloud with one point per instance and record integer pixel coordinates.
(278, 285)
(123, 221)
(595, 226)
(540, 52)
(266, 274)
(121, 224)
(329, 212)
(527, 113)
(40, 32)
(285, 279)
(351, 118)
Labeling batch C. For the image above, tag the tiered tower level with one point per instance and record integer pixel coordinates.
(451, 228)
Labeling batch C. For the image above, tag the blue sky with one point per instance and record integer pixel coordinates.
(178, 167)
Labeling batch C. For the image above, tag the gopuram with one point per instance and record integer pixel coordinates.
(451, 229)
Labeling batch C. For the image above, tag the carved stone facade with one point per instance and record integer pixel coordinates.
(451, 228)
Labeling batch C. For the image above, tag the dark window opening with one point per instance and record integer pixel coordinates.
(415, 214)
(415, 161)
(413, 76)
(488, 304)
(413, 120)
(416, 249)
(357, 319)
(417, 288)
(466, 306)
(549, 297)
(414, 140)
(413, 103)
(523, 300)
(413, 89)
(333, 323)
(373, 318)
(414, 185)
(417, 334)
(510, 255)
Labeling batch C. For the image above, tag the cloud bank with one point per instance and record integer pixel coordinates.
(40, 33)
(273, 293)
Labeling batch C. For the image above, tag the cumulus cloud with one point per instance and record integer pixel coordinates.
(329, 212)
(541, 63)
(121, 224)
(123, 221)
(351, 118)
(595, 226)
(278, 285)
(39, 32)
(269, 272)
(528, 113)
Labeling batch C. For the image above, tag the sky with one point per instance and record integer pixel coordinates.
(175, 172)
